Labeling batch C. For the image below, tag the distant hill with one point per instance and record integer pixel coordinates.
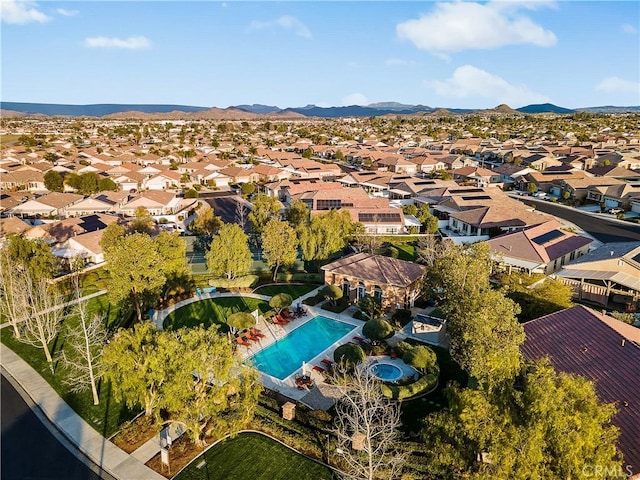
(96, 110)
(231, 113)
(544, 108)
(349, 111)
(610, 109)
(258, 108)
(395, 106)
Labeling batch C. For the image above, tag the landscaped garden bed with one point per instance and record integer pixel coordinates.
(212, 311)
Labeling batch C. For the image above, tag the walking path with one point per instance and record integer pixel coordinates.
(97, 448)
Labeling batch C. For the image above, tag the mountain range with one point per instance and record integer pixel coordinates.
(251, 112)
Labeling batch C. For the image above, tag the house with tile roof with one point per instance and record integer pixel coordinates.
(581, 341)
(396, 283)
(53, 204)
(608, 275)
(543, 248)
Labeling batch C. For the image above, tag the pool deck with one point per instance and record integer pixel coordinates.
(322, 395)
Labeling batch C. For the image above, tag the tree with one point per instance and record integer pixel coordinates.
(545, 298)
(264, 209)
(364, 242)
(377, 329)
(554, 427)
(229, 253)
(206, 223)
(191, 193)
(134, 267)
(349, 355)
(371, 307)
(134, 365)
(13, 291)
(332, 293)
(280, 301)
(279, 245)
(143, 221)
(326, 234)
(421, 357)
(209, 390)
(429, 249)
(33, 255)
(307, 153)
(428, 220)
(106, 184)
(172, 250)
(53, 181)
(366, 427)
(111, 236)
(532, 187)
(241, 214)
(240, 321)
(42, 314)
(247, 189)
(410, 209)
(297, 213)
(85, 342)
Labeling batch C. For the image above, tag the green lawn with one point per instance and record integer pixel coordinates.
(252, 456)
(105, 417)
(212, 311)
(294, 290)
(406, 252)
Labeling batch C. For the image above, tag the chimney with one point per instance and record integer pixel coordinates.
(622, 343)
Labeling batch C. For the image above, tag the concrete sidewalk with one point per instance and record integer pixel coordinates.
(98, 449)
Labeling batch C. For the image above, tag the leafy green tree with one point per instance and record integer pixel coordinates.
(377, 329)
(84, 183)
(191, 193)
(410, 209)
(548, 297)
(428, 220)
(279, 245)
(339, 156)
(554, 427)
(106, 184)
(240, 321)
(229, 253)
(134, 267)
(307, 153)
(264, 209)
(143, 221)
(532, 187)
(326, 234)
(206, 223)
(297, 213)
(371, 307)
(280, 301)
(32, 255)
(209, 390)
(421, 358)
(53, 181)
(247, 189)
(134, 365)
(112, 235)
(333, 293)
(349, 354)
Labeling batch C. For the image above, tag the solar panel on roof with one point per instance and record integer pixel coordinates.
(547, 237)
(466, 190)
(476, 197)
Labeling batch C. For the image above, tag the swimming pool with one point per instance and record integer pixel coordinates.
(285, 356)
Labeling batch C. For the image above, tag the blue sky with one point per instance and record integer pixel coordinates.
(440, 54)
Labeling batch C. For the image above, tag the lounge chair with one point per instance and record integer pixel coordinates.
(242, 341)
(359, 339)
(286, 314)
(327, 362)
(250, 336)
(318, 368)
(257, 333)
(283, 321)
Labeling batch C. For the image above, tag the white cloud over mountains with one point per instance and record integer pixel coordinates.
(355, 99)
(469, 81)
(131, 43)
(453, 27)
(619, 86)
(286, 22)
(21, 12)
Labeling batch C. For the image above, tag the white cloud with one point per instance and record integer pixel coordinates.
(618, 85)
(452, 27)
(21, 12)
(400, 62)
(131, 43)
(629, 29)
(286, 22)
(469, 81)
(355, 99)
(67, 13)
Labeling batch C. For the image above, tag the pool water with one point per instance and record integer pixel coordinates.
(285, 356)
(386, 372)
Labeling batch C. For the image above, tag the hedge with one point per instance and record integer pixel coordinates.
(247, 281)
(422, 385)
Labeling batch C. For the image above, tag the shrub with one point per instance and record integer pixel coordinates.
(332, 293)
(402, 316)
(339, 307)
(348, 354)
(421, 357)
(377, 329)
(191, 193)
(393, 252)
(401, 348)
(246, 281)
(311, 301)
(422, 385)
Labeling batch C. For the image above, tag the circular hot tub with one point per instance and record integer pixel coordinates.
(386, 372)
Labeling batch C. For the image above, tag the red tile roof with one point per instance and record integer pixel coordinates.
(578, 340)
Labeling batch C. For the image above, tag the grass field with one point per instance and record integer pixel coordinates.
(109, 414)
(406, 252)
(250, 456)
(294, 290)
(212, 311)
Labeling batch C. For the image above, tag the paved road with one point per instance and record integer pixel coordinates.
(29, 450)
(601, 229)
(227, 208)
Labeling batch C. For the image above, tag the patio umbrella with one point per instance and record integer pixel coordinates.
(303, 367)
